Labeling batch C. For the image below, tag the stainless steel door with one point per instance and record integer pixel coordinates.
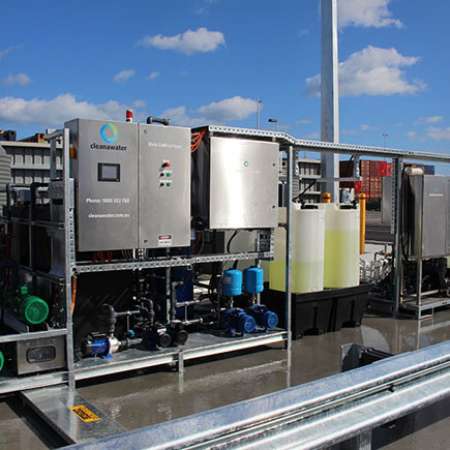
(164, 186)
(243, 184)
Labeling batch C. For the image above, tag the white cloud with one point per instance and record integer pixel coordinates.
(373, 71)
(230, 109)
(235, 108)
(411, 135)
(439, 134)
(56, 111)
(124, 75)
(430, 119)
(199, 41)
(152, 76)
(305, 121)
(180, 116)
(21, 79)
(366, 13)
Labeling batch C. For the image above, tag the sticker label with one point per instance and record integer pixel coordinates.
(165, 240)
(85, 414)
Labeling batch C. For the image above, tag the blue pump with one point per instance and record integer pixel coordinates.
(97, 347)
(232, 283)
(264, 318)
(238, 322)
(253, 280)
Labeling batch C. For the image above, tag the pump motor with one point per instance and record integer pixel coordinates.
(263, 316)
(238, 322)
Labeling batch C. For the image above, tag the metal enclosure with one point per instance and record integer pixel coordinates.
(164, 188)
(427, 210)
(426, 207)
(105, 168)
(235, 184)
(132, 185)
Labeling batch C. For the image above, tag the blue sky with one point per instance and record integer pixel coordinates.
(63, 59)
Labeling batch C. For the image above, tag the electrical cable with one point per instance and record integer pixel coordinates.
(197, 139)
(231, 239)
(299, 196)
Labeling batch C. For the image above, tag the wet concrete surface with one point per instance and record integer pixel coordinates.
(146, 398)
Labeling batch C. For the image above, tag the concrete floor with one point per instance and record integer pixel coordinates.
(150, 397)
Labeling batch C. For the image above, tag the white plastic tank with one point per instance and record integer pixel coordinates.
(307, 251)
(341, 246)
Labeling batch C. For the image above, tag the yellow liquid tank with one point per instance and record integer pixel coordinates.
(307, 251)
(341, 246)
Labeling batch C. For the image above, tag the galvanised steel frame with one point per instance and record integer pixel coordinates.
(290, 146)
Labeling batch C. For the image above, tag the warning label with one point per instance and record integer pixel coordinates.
(165, 240)
(85, 414)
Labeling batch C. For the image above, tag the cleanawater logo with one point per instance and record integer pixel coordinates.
(109, 133)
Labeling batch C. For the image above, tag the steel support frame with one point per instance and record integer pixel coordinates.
(14, 384)
(60, 139)
(291, 157)
(398, 157)
(286, 141)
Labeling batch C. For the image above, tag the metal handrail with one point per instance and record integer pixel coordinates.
(331, 147)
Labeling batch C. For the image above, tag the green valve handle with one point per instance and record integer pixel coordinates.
(33, 309)
(2, 360)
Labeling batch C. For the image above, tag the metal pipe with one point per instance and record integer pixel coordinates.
(362, 223)
(192, 302)
(397, 228)
(289, 234)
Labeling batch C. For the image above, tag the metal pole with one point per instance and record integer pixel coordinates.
(258, 114)
(419, 253)
(69, 255)
(330, 94)
(288, 286)
(396, 228)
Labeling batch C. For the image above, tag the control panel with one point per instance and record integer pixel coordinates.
(165, 180)
(132, 185)
(105, 168)
(165, 174)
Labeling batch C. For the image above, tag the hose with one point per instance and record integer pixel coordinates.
(74, 294)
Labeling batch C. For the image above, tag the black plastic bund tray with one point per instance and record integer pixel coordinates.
(320, 312)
